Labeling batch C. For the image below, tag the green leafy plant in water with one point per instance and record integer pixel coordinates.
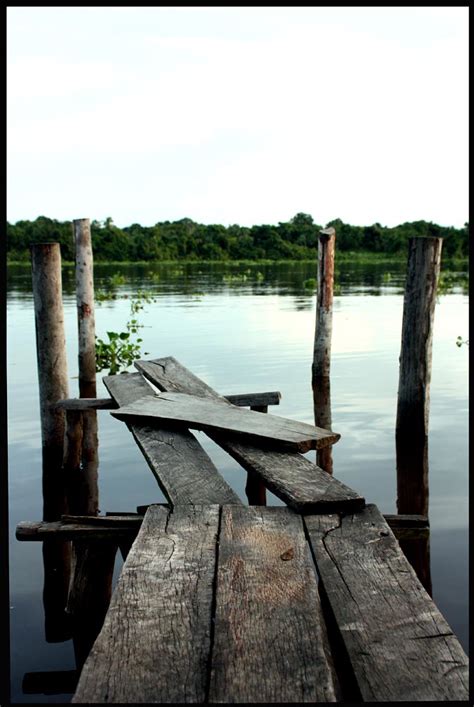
(117, 353)
(460, 341)
(120, 351)
(309, 284)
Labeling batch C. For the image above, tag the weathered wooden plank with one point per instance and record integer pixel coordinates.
(406, 520)
(270, 642)
(218, 416)
(81, 404)
(58, 530)
(408, 527)
(400, 646)
(155, 642)
(121, 520)
(241, 399)
(290, 476)
(184, 471)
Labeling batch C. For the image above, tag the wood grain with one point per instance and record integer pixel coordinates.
(270, 643)
(182, 468)
(400, 646)
(290, 476)
(217, 415)
(155, 642)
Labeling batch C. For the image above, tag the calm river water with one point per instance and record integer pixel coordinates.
(247, 328)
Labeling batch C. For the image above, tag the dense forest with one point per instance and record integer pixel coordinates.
(187, 240)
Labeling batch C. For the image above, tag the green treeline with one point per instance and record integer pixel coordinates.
(187, 240)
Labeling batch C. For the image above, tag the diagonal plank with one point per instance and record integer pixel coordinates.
(155, 642)
(270, 642)
(218, 416)
(398, 643)
(290, 476)
(182, 468)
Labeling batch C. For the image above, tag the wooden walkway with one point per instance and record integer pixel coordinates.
(220, 602)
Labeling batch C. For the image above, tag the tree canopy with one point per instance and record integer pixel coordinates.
(187, 240)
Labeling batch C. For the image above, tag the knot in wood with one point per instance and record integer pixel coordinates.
(288, 554)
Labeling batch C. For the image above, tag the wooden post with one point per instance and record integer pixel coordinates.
(85, 307)
(255, 490)
(424, 259)
(91, 585)
(53, 386)
(52, 370)
(322, 341)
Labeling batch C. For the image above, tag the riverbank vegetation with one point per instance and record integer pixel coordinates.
(186, 240)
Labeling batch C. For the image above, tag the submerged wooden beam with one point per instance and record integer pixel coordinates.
(184, 471)
(156, 638)
(399, 645)
(290, 476)
(218, 416)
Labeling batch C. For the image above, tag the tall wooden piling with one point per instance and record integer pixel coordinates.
(91, 585)
(85, 307)
(322, 340)
(424, 260)
(52, 370)
(53, 386)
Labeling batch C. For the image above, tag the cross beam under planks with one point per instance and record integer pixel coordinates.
(222, 605)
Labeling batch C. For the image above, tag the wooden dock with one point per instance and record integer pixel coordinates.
(220, 602)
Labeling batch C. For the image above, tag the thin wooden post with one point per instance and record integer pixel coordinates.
(91, 586)
(424, 259)
(85, 307)
(52, 370)
(322, 341)
(53, 386)
(255, 489)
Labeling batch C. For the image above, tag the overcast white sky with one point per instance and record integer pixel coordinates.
(241, 115)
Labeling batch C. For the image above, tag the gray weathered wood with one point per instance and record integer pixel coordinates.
(424, 260)
(323, 330)
(85, 307)
(270, 642)
(32, 530)
(156, 638)
(182, 468)
(242, 399)
(86, 404)
(52, 369)
(209, 415)
(290, 476)
(122, 519)
(408, 527)
(399, 645)
(320, 379)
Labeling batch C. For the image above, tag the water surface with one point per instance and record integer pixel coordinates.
(247, 329)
